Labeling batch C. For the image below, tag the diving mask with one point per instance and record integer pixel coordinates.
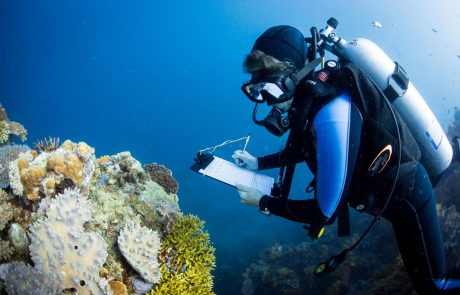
(271, 90)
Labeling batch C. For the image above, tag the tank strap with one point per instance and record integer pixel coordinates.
(397, 84)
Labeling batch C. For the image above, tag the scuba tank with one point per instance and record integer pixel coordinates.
(393, 81)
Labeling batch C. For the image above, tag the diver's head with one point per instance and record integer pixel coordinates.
(277, 55)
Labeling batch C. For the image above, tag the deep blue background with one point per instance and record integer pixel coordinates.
(162, 80)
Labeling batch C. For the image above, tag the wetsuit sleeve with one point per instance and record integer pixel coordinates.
(337, 128)
(276, 160)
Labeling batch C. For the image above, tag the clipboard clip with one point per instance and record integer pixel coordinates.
(202, 160)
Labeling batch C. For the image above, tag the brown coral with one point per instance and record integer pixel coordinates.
(6, 250)
(30, 177)
(163, 176)
(68, 165)
(118, 288)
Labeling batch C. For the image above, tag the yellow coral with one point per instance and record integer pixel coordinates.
(30, 177)
(4, 131)
(84, 150)
(188, 259)
(103, 159)
(68, 145)
(68, 165)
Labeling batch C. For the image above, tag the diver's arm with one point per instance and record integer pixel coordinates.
(271, 161)
(277, 160)
(337, 145)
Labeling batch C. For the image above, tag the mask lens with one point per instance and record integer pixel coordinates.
(252, 91)
(272, 93)
(263, 91)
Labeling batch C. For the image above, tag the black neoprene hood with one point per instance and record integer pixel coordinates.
(284, 43)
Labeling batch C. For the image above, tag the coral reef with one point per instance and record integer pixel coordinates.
(287, 268)
(454, 128)
(188, 259)
(9, 153)
(140, 246)
(449, 219)
(89, 224)
(61, 251)
(163, 176)
(35, 175)
(166, 204)
(123, 170)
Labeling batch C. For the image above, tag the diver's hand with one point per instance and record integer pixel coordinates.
(246, 160)
(249, 195)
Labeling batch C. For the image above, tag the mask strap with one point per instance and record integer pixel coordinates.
(309, 66)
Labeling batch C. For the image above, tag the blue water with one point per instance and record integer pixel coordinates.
(162, 80)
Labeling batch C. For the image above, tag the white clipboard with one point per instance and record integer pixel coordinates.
(232, 174)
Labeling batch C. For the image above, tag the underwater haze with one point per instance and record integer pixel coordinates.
(162, 80)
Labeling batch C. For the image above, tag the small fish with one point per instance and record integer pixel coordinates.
(377, 24)
(434, 30)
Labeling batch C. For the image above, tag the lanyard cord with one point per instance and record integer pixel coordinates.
(228, 141)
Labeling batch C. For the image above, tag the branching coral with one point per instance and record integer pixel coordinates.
(187, 259)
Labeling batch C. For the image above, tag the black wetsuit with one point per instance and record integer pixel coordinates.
(352, 142)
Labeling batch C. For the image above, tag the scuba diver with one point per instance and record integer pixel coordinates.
(354, 122)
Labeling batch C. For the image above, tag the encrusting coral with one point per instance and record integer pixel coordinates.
(188, 259)
(140, 246)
